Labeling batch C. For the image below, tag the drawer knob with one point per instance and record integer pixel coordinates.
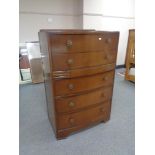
(105, 78)
(102, 95)
(107, 57)
(69, 43)
(71, 104)
(70, 61)
(71, 121)
(108, 40)
(71, 86)
(101, 109)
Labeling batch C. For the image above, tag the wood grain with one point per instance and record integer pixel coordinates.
(77, 102)
(76, 85)
(79, 69)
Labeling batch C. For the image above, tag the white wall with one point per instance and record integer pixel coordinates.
(34, 15)
(50, 6)
(110, 15)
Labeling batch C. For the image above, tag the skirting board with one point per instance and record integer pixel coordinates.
(120, 66)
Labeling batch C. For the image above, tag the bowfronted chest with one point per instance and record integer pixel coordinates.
(79, 68)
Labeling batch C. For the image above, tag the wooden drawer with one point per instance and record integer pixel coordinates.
(69, 61)
(83, 71)
(70, 104)
(75, 85)
(83, 43)
(88, 116)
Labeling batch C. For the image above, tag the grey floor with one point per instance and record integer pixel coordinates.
(116, 137)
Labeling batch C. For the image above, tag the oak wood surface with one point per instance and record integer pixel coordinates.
(62, 62)
(82, 43)
(78, 75)
(81, 72)
(74, 103)
(84, 116)
(76, 85)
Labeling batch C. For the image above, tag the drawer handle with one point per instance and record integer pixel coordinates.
(105, 78)
(71, 86)
(70, 61)
(71, 121)
(102, 95)
(71, 104)
(107, 57)
(69, 43)
(108, 40)
(101, 109)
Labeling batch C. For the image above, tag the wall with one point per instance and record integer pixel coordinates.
(110, 15)
(34, 15)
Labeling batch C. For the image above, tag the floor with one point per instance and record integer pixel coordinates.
(116, 137)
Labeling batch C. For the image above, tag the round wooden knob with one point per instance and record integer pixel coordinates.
(69, 43)
(71, 86)
(105, 78)
(108, 40)
(102, 95)
(71, 104)
(107, 57)
(70, 61)
(71, 121)
(101, 109)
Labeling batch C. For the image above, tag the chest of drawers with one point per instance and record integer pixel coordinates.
(79, 68)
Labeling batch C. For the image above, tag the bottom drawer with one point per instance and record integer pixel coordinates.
(87, 116)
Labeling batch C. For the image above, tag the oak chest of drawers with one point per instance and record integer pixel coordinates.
(79, 68)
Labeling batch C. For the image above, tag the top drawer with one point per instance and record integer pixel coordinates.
(83, 42)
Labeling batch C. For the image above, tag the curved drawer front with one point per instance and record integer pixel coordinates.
(88, 116)
(69, 104)
(69, 61)
(83, 71)
(76, 85)
(83, 43)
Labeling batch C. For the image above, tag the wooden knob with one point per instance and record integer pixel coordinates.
(108, 40)
(71, 104)
(71, 86)
(70, 61)
(101, 109)
(71, 121)
(107, 57)
(105, 78)
(69, 43)
(102, 95)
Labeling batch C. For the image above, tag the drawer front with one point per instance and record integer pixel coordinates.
(83, 43)
(70, 104)
(88, 116)
(83, 71)
(75, 85)
(69, 61)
